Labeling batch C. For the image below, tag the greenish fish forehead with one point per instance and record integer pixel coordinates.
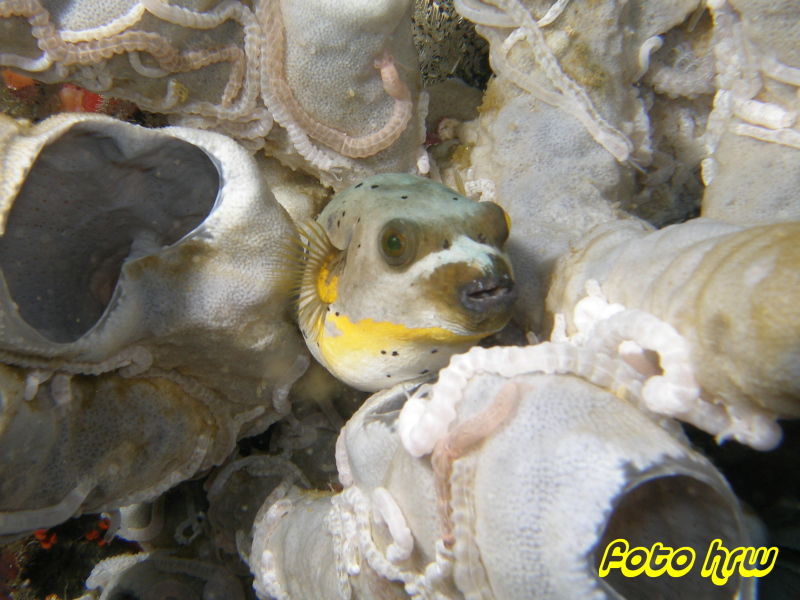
(399, 182)
(440, 214)
(403, 190)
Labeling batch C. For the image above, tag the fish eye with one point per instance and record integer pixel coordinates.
(398, 242)
(395, 243)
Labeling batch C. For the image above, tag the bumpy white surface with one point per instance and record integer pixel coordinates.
(188, 337)
(219, 65)
(715, 88)
(753, 137)
(722, 288)
(568, 105)
(546, 475)
(330, 62)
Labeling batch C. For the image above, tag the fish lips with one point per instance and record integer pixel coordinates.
(493, 293)
(475, 300)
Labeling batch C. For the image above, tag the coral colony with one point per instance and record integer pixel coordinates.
(187, 316)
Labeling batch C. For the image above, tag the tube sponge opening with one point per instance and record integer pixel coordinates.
(89, 203)
(677, 511)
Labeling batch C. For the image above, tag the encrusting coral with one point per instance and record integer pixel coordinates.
(572, 186)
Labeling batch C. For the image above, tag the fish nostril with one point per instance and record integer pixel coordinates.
(488, 293)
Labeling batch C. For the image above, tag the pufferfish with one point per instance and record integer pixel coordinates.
(397, 274)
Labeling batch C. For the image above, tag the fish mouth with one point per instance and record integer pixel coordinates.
(490, 293)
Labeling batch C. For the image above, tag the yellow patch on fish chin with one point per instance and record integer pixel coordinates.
(371, 351)
(367, 332)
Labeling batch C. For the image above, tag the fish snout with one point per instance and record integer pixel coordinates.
(495, 292)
